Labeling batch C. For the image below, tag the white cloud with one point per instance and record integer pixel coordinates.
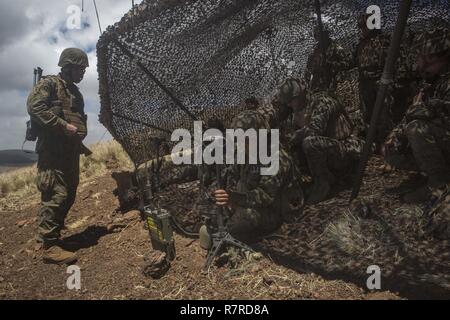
(34, 33)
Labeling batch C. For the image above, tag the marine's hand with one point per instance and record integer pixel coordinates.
(71, 130)
(222, 198)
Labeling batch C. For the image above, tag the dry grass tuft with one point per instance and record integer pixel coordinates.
(348, 234)
(20, 183)
(19, 180)
(106, 155)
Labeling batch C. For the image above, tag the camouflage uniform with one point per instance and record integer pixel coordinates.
(260, 203)
(324, 64)
(370, 56)
(437, 214)
(263, 202)
(52, 104)
(406, 83)
(270, 115)
(422, 139)
(328, 139)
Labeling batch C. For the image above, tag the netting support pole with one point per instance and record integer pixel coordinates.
(319, 21)
(141, 122)
(155, 80)
(386, 81)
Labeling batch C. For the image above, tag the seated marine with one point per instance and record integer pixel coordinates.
(326, 135)
(256, 205)
(421, 142)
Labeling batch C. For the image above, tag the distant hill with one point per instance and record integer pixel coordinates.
(12, 159)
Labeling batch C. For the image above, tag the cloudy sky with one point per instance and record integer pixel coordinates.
(34, 33)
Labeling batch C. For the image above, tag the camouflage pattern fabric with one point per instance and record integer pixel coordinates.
(326, 116)
(437, 214)
(406, 84)
(267, 116)
(58, 191)
(422, 139)
(73, 56)
(51, 105)
(255, 118)
(323, 68)
(370, 55)
(328, 142)
(347, 91)
(264, 202)
(433, 41)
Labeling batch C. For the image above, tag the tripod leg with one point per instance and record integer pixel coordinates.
(213, 252)
(229, 239)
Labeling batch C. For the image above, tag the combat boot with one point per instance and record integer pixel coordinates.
(419, 195)
(409, 185)
(320, 189)
(424, 193)
(54, 254)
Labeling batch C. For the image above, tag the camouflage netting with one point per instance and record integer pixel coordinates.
(213, 54)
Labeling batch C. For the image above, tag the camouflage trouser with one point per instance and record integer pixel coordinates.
(420, 146)
(58, 187)
(326, 155)
(368, 96)
(438, 214)
(248, 225)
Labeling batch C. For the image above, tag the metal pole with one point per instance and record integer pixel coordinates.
(98, 19)
(132, 15)
(155, 80)
(140, 122)
(386, 81)
(319, 18)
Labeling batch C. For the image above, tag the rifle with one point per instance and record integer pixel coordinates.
(215, 224)
(31, 132)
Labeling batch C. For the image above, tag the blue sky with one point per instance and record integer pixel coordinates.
(34, 33)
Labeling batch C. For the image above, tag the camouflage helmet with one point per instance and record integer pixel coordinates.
(434, 41)
(290, 89)
(250, 119)
(73, 56)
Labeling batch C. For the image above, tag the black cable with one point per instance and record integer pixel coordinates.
(98, 19)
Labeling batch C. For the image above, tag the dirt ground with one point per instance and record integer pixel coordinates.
(111, 249)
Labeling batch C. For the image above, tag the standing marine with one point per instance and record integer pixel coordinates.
(326, 61)
(56, 109)
(370, 56)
